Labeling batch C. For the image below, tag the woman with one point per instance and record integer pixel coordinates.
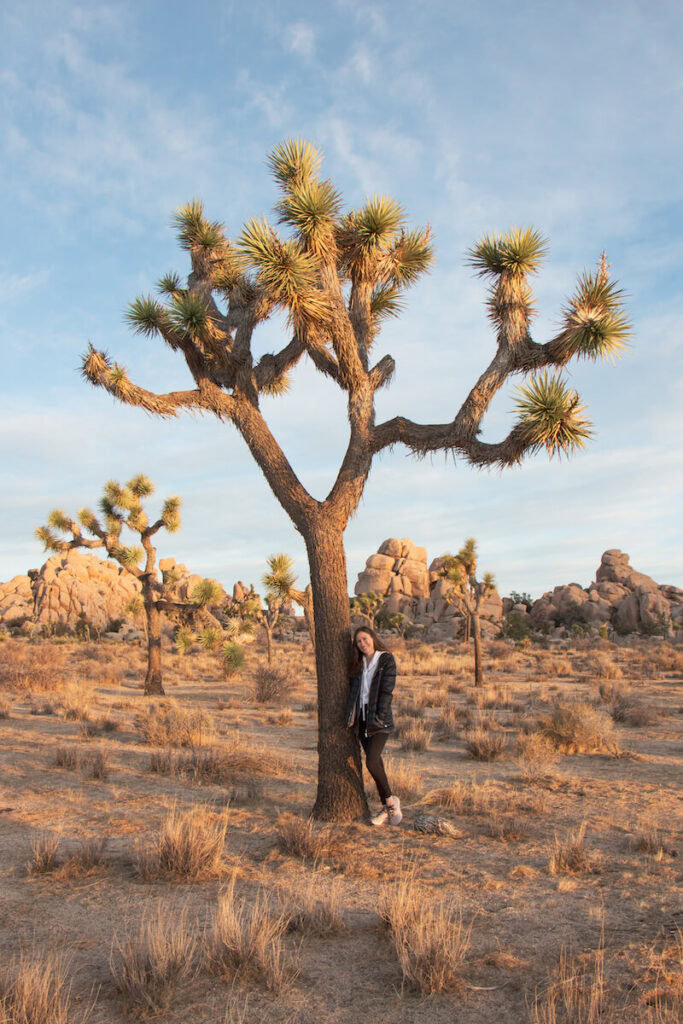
(372, 678)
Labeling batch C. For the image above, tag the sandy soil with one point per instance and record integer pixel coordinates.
(626, 903)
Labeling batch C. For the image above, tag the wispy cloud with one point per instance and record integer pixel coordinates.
(300, 39)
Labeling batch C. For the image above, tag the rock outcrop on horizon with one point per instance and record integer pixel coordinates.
(73, 586)
(399, 572)
(622, 598)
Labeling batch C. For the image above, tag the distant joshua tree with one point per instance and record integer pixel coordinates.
(468, 593)
(122, 506)
(337, 276)
(280, 582)
(368, 605)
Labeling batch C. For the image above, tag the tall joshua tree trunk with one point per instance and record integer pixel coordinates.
(476, 635)
(153, 684)
(340, 795)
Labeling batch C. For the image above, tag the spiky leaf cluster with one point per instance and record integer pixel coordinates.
(206, 593)
(518, 252)
(209, 639)
(128, 557)
(47, 538)
(195, 232)
(280, 578)
(170, 513)
(551, 416)
(596, 326)
(184, 640)
(233, 657)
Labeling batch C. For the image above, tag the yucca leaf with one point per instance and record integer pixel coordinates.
(294, 162)
(195, 232)
(551, 416)
(58, 520)
(94, 365)
(128, 557)
(312, 208)
(210, 638)
(411, 256)
(188, 313)
(386, 301)
(140, 485)
(49, 541)
(280, 577)
(233, 657)
(170, 513)
(184, 640)
(88, 519)
(169, 284)
(137, 520)
(596, 325)
(206, 593)
(145, 315)
(520, 251)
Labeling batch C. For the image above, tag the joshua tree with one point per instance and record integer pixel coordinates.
(368, 605)
(468, 593)
(280, 581)
(338, 277)
(122, 506)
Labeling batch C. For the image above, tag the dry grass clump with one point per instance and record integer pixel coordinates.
(405, 779)
(507, 827)
(430, 939)
(32, 668)
(461, 798)
(625, 708)
(649, 839)
(67, 757)
(537, 756)
(483, 744)
(74, 704)
(95, 765)
(5, 708)
(187, 846)
(575, 993)
(558, 665)
(299, 837)
(315, 907)
(34, 990)
(451, 721)
(569, 856)
(149, 967)
(411, 708)
(244, 940)
(415, 736)
(271, 685)
(43, 854)
(88, 858)
(576, 728)
(222, 765)
(602, 665)
(166, 724)
(42, 707)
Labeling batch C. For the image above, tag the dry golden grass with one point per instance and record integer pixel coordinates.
(67, 757)
(602, 665)
(569, 856)
(485, 745)
(575, 992)
(149, 967)
(34, 990)
(451, 722)
(167, 724)
(625, 707)
(405, 779)
(537, 756)
(578, 728)
(315, 905)
(5, 708)
(244, 940)
(300, 837)
(32, 668)
(429, 938)
(233, 761)
(188, 846)
(43, 854)
(415, 735)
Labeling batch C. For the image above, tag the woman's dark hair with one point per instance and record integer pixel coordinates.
(356, 659)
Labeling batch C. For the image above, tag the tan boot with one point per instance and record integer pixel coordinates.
(394, 808)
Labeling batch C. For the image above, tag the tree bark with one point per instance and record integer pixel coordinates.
(476, 634)
(340, 796)
(153, 684)
(269, 641)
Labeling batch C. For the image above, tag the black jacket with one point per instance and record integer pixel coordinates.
(380, 718)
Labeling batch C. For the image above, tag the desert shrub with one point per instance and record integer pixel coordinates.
(149, 967)
(430, 939)
(187, 846)
(162, 762)
(232, 656)
(569, 856)
(244, 940)
(601, 664)
(32, 668)
(34, 990)
(485, 745)
(625, 708)
(315, 907)
(67, 757)
(43, 854)
(515, 626)
(536, 755)
(299, 837)
(451, 722)
(578, 728)
(166, 724)
(406, 780)
(415, 735)
(271, 685)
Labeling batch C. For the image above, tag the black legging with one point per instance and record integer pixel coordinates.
(373, 747)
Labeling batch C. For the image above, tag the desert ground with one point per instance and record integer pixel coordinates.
(157, 858)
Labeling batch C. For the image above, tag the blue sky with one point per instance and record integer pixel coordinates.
(475, 117)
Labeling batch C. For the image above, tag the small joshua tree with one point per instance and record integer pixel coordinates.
(368, 605)
(122, 507)
(280, 582)
(338, 275)
(468, 594)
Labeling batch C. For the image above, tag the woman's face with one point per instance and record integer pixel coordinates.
(365, 644)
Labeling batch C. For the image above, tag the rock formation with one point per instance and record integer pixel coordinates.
(399, 572)
(626, 600)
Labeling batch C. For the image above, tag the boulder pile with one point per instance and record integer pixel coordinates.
(399, 572)
(621, 598)
(72, 586)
